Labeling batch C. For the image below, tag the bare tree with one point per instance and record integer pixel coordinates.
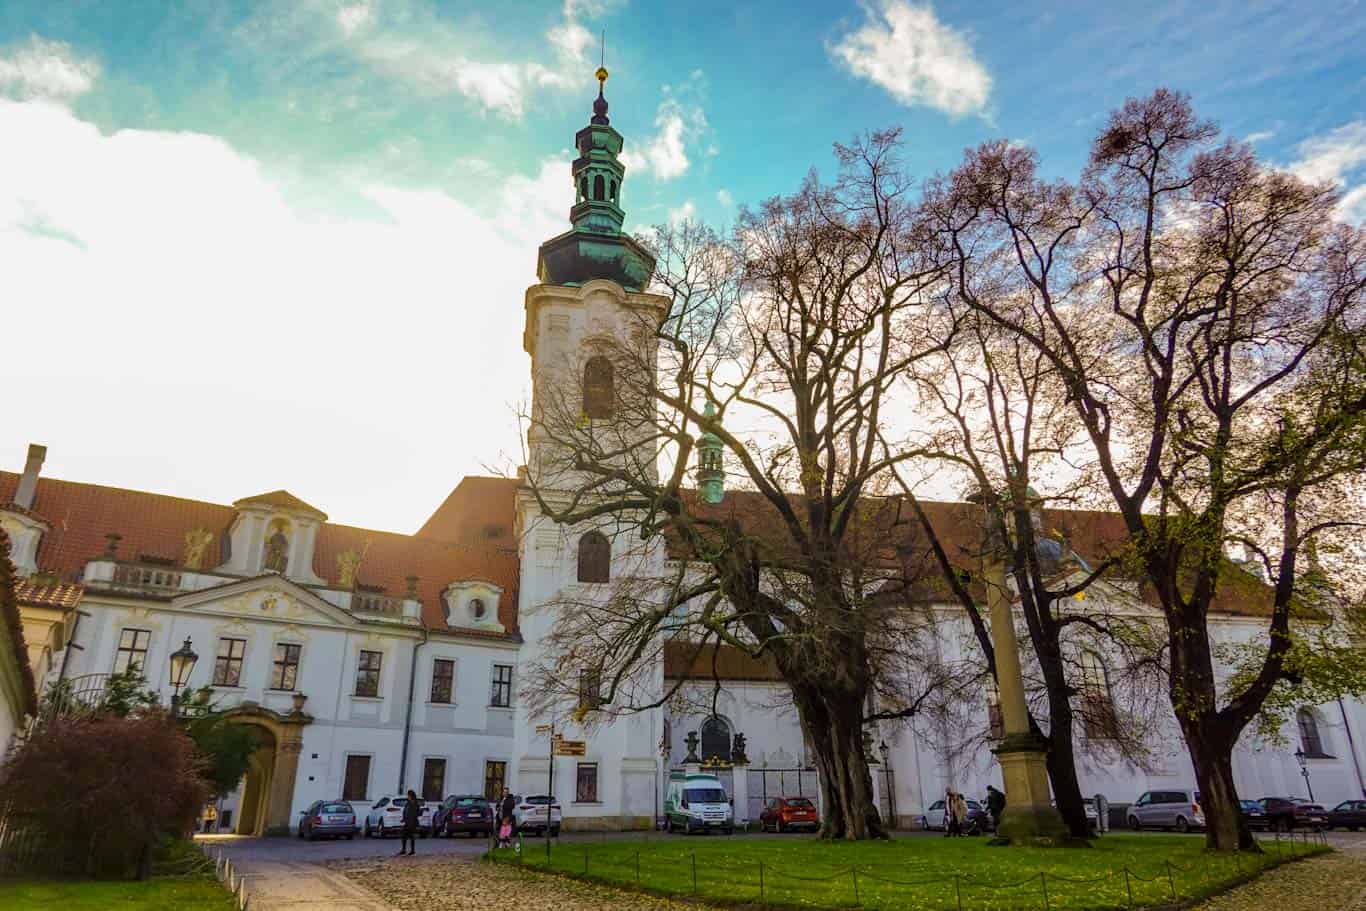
(797, 329)
(1203, 314)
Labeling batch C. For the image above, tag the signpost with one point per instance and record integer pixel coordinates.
(570, 747)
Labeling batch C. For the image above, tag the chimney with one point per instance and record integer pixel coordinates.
(28, 481)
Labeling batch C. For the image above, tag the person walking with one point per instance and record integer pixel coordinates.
(507, 819)
(411, 809)
(953, 825)
(960, 813)
(996, 804)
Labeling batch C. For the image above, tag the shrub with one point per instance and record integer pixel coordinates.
(99, 792)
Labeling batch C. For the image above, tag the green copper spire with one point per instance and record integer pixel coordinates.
(711, 475)
(596, 247)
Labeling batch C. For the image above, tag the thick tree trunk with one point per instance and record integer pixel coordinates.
(1062, 767)
(1209, 738)
(834, 726)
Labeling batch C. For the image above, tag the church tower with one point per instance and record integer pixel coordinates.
(590, 330)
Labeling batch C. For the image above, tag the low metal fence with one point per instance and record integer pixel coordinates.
(960, 891)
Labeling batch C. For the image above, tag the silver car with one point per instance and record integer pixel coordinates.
(1179, 810)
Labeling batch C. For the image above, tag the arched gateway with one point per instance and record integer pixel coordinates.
(268, 791)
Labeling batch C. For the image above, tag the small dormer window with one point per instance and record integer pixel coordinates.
(478, 609)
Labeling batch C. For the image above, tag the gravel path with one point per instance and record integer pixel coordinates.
(1333, 883)
(421, 884)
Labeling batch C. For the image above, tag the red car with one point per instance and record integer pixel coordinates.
(785, 814)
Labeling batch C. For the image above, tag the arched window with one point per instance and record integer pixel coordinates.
(599, 187)
(715, 739)
(1311, 741)
(1098, 707)
(583, 187)
(595, 557)
(612, 194)
(597, 387)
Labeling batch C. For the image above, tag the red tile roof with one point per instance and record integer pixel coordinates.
(480, 510)
(60, 595)
(154, 524)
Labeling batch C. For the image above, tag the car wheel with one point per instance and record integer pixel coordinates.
(1182, 825)
(779, 827)
(1135, 824)
(366, 833)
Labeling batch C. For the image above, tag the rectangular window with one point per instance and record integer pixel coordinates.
(586, 783)
(357, 778)
(367, 674)
(502, 686)
(433, 778)
(286, 673)
(495, 779)
(227, 670)
(132, 654)
(443, 679)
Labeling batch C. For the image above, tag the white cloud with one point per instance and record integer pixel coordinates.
(685, 212)
(680, 123)
(1260, 136)
(905, 49)
(46, 69)
(435, 59)
(259, 345)
(1338, 157)
(355, 16)
(724, 198)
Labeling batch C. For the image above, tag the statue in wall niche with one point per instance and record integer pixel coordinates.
(348, 561)
(691, 741)
(196, 547)
(737, 750)
(277, 553)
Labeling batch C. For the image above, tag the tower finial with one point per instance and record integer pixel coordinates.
(600, 105)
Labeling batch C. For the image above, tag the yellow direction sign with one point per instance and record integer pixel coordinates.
(570, 748)
(542, 729)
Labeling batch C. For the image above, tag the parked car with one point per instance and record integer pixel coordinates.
(328, 818)
(1088, 805)
(979, 820)
(697, 803)
(470, 813)
(1350, 814)
(386, 817)
(1286, 813)
(535, 811)
(787, 814)
(1253, 813)
(1179, 810)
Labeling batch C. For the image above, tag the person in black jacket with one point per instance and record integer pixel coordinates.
(507, 814)
(411, 809)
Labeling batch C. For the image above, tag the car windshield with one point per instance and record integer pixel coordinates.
(974, 805)
(470, 802)
(1250, 805)
(705, 795)
(337, 808)
(798, 802)
(538, 799)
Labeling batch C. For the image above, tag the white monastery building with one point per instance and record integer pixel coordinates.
(369, 661)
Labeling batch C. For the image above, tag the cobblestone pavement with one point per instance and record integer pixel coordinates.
(1333, 883)
(424, 884)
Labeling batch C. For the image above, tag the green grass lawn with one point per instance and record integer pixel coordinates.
(910, 872)
(171, 893)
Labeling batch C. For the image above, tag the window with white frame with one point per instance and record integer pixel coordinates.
(501, 694)
(227, 667)
(443, 680)
(131, 657)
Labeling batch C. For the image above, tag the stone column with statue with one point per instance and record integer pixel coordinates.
(1029, 817)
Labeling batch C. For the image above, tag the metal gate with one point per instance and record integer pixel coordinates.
(766, 784)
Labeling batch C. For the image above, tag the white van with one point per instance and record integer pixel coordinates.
(697, 803)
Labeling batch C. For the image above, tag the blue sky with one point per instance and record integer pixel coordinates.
(283, 244)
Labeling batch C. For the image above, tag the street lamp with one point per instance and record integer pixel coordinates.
(182, 664)
(1304, 770)
(887, 771)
